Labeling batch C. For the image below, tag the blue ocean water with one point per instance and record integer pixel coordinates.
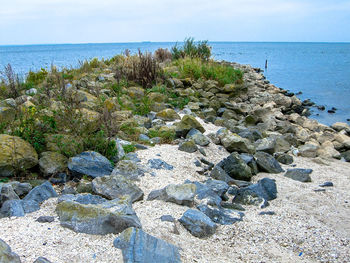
(321, 71)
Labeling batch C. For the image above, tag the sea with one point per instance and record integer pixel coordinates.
(320, 71)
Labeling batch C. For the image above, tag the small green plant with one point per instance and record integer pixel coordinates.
(167, 136)
(100, 143)
(4, 180)
(35, 78)
(129, 148)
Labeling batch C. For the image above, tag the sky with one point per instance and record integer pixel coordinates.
(107, 21)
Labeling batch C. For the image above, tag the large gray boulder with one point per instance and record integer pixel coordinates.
(236, 167)
(41, 193)
(181, 194)
(299, 174)
(90, 163)
(6, 254)
(138, 246)
(7, 193)
(96, 216)
(211, 192)
(112, 187)
(267, 163)
(197, 223)
(130, 169)
(18, 208)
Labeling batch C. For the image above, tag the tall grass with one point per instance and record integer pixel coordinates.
(192, 49)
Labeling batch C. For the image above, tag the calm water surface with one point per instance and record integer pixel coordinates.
(320, 70)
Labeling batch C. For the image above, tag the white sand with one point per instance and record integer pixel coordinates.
(316, 224)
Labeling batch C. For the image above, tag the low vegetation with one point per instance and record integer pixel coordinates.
(71, 110)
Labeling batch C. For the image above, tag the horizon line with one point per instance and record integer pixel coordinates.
(160, 42)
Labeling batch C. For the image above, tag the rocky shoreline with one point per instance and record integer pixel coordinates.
(234, 148)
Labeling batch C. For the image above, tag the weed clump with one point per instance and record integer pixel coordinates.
(192, 49)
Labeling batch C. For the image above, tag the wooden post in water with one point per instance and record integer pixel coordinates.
(266, 64)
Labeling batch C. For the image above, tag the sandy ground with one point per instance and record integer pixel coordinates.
(308, 226)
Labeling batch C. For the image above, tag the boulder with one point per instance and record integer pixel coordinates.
(129, 169)
(266, 145)
(82, 215)
(41, 193)
(197, 223)
(84, 186)
(181, 194)
(7, 193)
(15, 154)
(138, 246)
(187, 123)
(346, 156)
(236, 167)
(18, 208)
(308, 150)
(198, 137)
(257, 194)
(90, 163)
(52, 163)
(188, 146)
(339, 126)
(219, 174)
(221, 216)
(211, 192)
(6, 254)
(267, 163)
(21, 189)
(235, 143)
(299, 174)
(284, 158)
(250, 161)
(7, 114)
(168, 115)
(112, 187)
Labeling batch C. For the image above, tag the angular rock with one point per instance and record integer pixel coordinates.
(168, 115)
(90, 163)
(84, 186)
(198, 137)
(129, 169)
(188, 146)
(257, 194)
(45, 219)
(52, 163)
(15, 153)
(6, 254)
(219, 174)
(346, 156)
(187, 123)
(138, 246)
(21, 189)
(97, 219)
(181, 194)
(236, 167)
(266, 145)
(284, 158)
(299, 174)
(250, 161)
(221, 216)
(7, 193)
(112, 187)
(159, 164)
(267, 163)
(41, 193)
(308, 150)
(235, 143)
(197, 223)
(12, 208)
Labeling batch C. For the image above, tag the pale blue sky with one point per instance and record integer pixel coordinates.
(95, 21)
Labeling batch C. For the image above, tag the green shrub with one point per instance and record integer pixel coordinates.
(129, 148)
(98, 142)
(196, 69)
(192, 49)
(35, 78)
(167, 136)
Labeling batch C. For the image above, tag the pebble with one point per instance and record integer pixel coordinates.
(326, 184)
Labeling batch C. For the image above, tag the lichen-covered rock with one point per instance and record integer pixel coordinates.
(267, 163)
(7, 193)
(138, 246)
(236, 167)
(52, 163)
(15, 154)
(198, 137)
(168, 115)
(7, 114)
(129, 169)
(6, 254)
(187, 123)
(112, 187)
(97, 219)
(235, 143)
(136, 92)
(188, 146)
(221, 216)
(181, 194)
(90, 163)
(197, 223)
